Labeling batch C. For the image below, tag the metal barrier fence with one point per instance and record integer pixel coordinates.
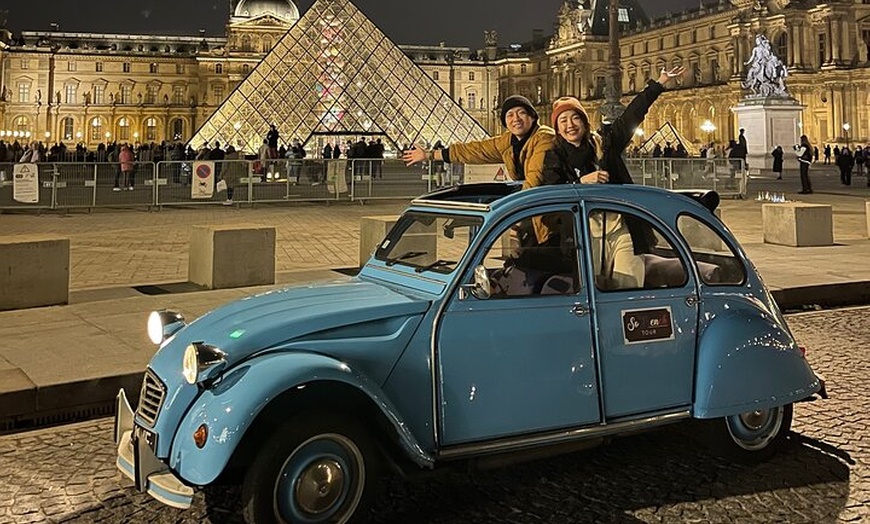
(727, 176)
(95, 185)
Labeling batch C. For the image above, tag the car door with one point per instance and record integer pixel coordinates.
(645, 309)
(521, 361)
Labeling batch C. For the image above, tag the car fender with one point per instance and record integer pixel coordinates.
(230, 407)
(747, 360)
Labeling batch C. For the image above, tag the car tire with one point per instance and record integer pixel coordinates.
(753, 436)
(315, 469)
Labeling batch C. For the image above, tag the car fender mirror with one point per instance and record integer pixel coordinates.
(481, 289)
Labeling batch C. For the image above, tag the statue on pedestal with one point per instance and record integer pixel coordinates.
(767, 73)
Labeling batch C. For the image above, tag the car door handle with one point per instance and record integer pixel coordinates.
(580, 310)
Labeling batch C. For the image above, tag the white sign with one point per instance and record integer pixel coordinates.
(25, 188)
(203, 180)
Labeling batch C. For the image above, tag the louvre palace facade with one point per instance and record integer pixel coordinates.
(92, 88)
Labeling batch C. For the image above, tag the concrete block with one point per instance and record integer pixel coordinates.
(232, 256)
(798, 224)
(34, 272)
(374, 229)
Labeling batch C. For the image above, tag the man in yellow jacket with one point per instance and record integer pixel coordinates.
(521, 148)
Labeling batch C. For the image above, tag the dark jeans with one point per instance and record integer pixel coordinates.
(806, 186)
(846, 176)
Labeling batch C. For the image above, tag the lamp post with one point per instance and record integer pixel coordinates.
(612, 107)
(846, 127)
(709, 128)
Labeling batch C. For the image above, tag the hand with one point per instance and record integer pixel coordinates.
(666, 76)
(415, 155)
(595, 177)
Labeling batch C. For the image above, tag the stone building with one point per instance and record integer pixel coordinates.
(93, 87)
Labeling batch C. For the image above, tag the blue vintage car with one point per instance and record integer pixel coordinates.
(490, 321)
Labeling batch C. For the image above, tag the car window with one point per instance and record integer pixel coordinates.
(534, 256)
(716, 261)
(628, 252)
(429, 241)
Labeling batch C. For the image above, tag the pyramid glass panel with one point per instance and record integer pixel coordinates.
(336, 72)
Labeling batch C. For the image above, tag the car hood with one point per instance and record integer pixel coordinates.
(290, 316)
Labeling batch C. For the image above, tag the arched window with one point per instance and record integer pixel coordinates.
(22, 125)
(267, 44)
(219, 69)
(177, 129)
(151, 129)
(96, 129)
(246, 69)
(124, 129)
(67, 128)
(246, 43)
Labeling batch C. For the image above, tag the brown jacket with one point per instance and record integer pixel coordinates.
(498, 150)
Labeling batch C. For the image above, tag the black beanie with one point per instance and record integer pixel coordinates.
(517, 101)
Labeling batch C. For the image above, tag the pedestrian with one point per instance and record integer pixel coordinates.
(804, 152)
(742, 148)
(845, 161)
(272, 138)
(777, 161)
(521, 148)
(860, 157)
(233, 172)
(33, 154)
(827, 153)
(126, 160)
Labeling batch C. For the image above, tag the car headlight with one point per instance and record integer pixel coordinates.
(202, 362)
(163, 324)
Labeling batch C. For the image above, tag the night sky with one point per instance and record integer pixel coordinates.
(455, 22)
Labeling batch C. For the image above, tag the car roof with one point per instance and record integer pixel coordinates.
(497, 196)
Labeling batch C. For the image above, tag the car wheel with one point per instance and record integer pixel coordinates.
(314, 470)
(753, 436)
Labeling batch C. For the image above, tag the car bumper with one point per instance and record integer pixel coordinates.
(137, 461)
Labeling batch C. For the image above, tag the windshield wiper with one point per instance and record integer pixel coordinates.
(433, 265)
(406, 255)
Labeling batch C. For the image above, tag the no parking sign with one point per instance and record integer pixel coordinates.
(203, 180)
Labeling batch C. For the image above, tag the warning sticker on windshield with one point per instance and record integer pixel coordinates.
(645, 325)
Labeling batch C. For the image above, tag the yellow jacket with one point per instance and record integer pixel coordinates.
(499, 150)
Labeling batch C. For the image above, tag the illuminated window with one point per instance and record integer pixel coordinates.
(153, 68)
(99, 94)
(126, 94)
(178, 95)
(219, 69)
(177, 129)
(67, 126)
(96, 129)
(70, 66)
(124, 129)
(22, 124)
(218, 94)
(472, 100)
(623, 15)
(98, 67)
(70, 95)
(151, 129)
(23, 92)
(151, 94)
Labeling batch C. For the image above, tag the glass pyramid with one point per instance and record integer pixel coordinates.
(336, 73)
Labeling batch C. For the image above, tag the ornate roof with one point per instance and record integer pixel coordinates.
(282, 9)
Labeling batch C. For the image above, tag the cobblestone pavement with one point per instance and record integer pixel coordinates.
(67, 474)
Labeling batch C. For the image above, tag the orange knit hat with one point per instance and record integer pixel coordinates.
(564, 104)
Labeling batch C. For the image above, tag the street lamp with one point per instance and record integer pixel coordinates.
(846, 127)
(612, 107)
(709, 128)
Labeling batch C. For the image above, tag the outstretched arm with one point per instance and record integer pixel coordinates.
(622, 129)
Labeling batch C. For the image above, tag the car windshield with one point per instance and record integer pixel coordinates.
(429, 241)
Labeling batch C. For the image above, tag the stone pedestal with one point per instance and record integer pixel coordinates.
(797, 224)
(232, 256)
(769, 122)
(373, 230)
(34, 272)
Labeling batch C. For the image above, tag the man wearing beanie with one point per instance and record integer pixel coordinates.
(521, 148)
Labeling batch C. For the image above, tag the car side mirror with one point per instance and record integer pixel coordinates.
(481, 289)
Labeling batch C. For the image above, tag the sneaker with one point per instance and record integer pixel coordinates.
(227, 202)
(116, 189)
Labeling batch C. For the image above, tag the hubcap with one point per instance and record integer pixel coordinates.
(754, 430)
(320, 486)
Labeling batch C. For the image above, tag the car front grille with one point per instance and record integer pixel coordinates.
(150, 398)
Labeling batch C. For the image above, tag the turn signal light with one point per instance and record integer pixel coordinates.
(200, 436)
